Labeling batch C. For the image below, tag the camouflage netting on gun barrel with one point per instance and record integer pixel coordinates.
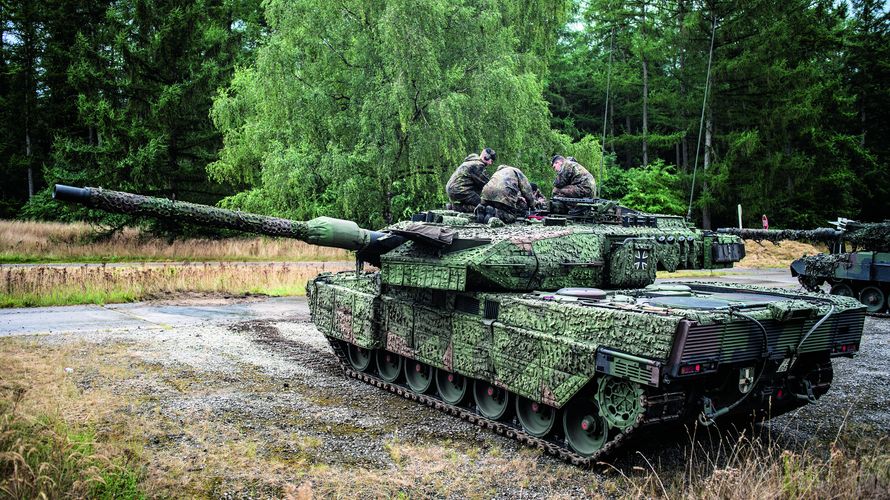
(870, 236)
(161, 208)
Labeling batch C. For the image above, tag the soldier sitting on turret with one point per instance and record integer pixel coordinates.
(466, 183)
(507, 196)
(572, 180)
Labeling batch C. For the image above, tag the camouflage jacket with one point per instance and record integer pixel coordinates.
(573, 181)
(467, 181)
(510, 188)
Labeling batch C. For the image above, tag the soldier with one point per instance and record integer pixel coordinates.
(466, 183)
(507, 196)
(572, 180)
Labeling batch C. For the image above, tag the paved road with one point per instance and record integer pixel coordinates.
(143, 315)
(169, 314)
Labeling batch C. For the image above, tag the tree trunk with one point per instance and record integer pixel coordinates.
(681, 120)
(628, 158)
(645, 94)
(645, 113)
(28, 42)
(706, 209)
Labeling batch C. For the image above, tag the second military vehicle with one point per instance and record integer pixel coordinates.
(862, 272)
(550, 330)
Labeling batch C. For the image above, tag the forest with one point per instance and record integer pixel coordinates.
(361, 109)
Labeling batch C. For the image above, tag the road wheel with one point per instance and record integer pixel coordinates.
(389, 365)
(873, 298)
(452, 387)
(419, 376)
(536, 418)
(585, 429)
(359, 357)
(492, 401)
(842, 289)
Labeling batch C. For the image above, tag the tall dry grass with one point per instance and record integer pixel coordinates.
(747, 467)
(98, 284)
(27, 241)
(42, 455)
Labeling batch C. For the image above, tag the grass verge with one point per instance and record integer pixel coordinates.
(50, 286)
(42, 455)
(28, 242)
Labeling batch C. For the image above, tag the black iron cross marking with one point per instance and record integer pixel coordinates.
(641, 260)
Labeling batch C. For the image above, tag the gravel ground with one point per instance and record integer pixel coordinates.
(270, 391)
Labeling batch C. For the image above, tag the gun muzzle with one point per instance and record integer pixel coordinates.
(62, 192)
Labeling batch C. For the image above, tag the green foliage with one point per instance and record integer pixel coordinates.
(362, 111)
(654, 188)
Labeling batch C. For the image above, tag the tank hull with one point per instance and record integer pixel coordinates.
(864, 275)
(628, 359)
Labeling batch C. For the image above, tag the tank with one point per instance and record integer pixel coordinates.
(551, 330)
(862, 272)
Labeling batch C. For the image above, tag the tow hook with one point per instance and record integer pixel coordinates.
(809, 396)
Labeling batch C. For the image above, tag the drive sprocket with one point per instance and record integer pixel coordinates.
(619, 401)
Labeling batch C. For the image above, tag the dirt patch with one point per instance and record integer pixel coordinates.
(260, 409)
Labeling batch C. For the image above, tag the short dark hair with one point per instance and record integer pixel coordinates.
(534, 186)
(556, 157)
(490, 154)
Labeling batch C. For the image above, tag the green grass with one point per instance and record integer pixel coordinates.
(45, 458)
(67, 285)
(691, 274)
(100, 297)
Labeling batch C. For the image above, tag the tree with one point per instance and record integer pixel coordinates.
(361, 109)
(143, 82)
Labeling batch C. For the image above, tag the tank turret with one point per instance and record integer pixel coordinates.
(861, 270)
(596, 244)
(501, 324)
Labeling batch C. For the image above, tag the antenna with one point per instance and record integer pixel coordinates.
(606, 113)
(704, 103)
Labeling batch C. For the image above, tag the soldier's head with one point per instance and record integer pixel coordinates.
(488, 156)
(557, 162)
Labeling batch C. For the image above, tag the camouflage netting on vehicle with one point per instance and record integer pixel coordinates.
(874, 237)
(865, 236)
(819, 267)
(134, 204)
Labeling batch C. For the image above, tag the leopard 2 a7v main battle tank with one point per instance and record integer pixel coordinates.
(862, 272)
(502, 325)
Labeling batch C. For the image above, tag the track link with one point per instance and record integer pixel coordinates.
(508, 429)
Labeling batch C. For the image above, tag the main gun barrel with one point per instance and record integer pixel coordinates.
(322, 231)
(822, 234)
(871, 236)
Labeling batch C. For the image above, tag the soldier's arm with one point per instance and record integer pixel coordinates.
(564, 177)
(480, 178)
(525, 190)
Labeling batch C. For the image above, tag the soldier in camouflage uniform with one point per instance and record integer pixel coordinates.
(507, 196)
(572, 180)
(466, 183)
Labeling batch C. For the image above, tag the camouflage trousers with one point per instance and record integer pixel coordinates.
(490, 209)
(466, 203)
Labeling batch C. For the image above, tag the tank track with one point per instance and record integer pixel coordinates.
(512, 429)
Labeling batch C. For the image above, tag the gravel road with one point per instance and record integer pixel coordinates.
(207, 374)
